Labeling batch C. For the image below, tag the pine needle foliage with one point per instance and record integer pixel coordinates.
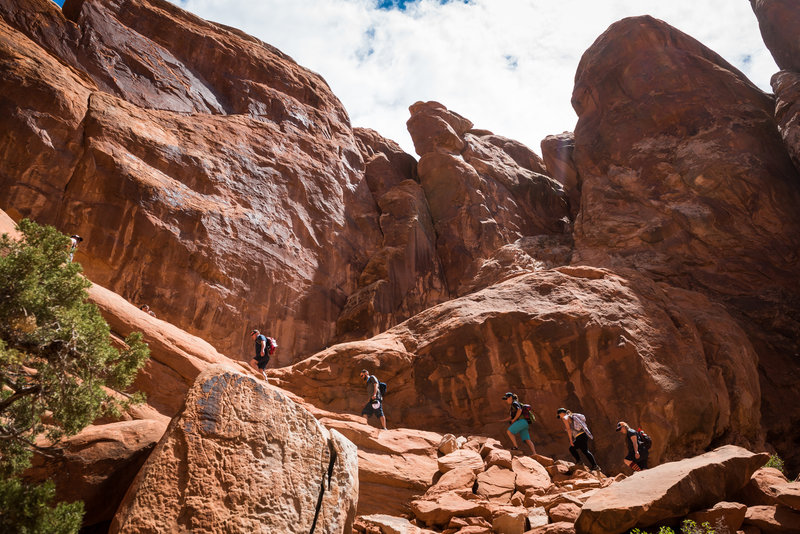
(56, 358)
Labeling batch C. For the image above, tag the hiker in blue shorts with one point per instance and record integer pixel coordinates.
(519, 424)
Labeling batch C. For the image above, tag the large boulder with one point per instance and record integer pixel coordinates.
(589, 338)
(242, 456)
(779, 21)
(668, 491)
(787, 111)
(209, 193)
(484, 191)
(684, 177)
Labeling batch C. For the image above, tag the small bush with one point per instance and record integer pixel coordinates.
(776, 462)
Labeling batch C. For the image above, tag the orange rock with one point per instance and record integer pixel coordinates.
(496, 484)
(729, 515)
(566, 512)
(668, 490)
(779, 22)
(563, 527)
(461, 458)
(438, 509)
(243, 456)
(773, 519)
(557, 155)
(530, 474)
(98, 464)
(788, 494)
(758, 490)
(460, 478)
(786, 86)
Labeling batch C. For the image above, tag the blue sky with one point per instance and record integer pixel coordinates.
(507, 65)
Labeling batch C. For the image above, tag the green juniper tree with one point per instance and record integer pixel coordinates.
(56, 358)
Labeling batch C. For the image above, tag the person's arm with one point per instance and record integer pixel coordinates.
(263, 346)
(635, 441)
(569, 430)
(375, 389)
(516, 415)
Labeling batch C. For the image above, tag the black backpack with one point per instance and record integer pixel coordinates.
(644, 440)
(382, 388)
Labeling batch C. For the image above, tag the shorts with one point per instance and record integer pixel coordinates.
(370, 410)
(642, 461)
(520, 428)
(262, 361)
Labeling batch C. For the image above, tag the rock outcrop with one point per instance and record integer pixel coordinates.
(584, 337)
(685, 178)
(98, 464)
(668, 491)
(241, 456)
(484, 191)
(779, 21)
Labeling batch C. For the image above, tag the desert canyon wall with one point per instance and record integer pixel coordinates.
(644, 268)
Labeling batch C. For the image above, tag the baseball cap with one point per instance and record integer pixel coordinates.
(507, 395)
(560, 411)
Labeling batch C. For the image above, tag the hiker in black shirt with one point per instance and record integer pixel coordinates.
(374, 405)
(637, 452)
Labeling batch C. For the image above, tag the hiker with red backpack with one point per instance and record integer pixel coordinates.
(520, 417)
(579, 436)
(264, 347)
(638, 446)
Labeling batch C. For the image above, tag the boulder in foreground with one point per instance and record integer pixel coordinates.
(668, 491)
(243, 457)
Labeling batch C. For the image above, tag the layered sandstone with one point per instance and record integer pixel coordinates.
(779, 21)
(241, 456)
(588, 338)
(484, 191)
(684, 177)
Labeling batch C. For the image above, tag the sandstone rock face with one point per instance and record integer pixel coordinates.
(779, 21)
(758, 490)
(668, 491)
(404, 276)
(483, 191)
(685, 178)
(242, 456)
(773, 519)
(97, 465)
(787, 111)
(557, 154)
(729, 515)
(254, 205)
(581, 336)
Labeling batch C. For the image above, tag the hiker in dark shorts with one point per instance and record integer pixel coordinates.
(261, 358)
(374, 405)
(519, 425)
(579, 436)
(637, 455)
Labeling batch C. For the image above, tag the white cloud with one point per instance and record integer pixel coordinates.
(507, 65)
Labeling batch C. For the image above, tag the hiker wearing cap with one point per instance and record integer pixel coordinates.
(519, 424)
(579, 436)
(73, 245)
(261, 358)
(374, 405)
(637, 454)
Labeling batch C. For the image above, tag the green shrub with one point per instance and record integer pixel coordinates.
(776, 462)
(55, 359)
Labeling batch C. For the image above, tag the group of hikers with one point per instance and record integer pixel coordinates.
(520, 415)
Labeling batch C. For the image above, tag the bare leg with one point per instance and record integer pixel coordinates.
(530, 444)
(512, 438)
(254, 365)
(383, 422)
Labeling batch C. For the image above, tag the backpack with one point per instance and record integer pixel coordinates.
(272, 345)
(644, 440)
(527, 413)
(382, 388)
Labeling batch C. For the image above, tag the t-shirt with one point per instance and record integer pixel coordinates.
(632, 433)
(513, 411)
(370, 387)
(259, 339)
(579, 424)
